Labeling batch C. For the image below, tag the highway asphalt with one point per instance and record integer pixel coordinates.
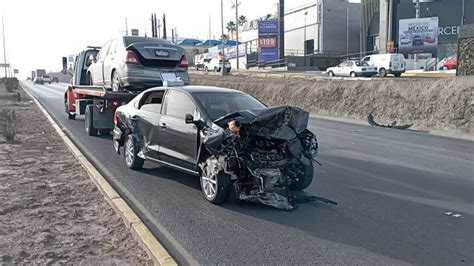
(394, 189)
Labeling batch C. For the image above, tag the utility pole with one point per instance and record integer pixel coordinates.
(390, 18)
(236, 6)
(223, 72)
(4, 49)
(304, 39)
(126, 27)
(281, 16)
(158, 22)
(417, 15)
(347, 29)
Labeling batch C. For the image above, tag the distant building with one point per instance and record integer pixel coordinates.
(377, 28)
(324, 27)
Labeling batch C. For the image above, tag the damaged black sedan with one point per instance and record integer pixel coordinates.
(231, 140)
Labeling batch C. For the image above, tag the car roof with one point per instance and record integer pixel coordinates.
(195, 89)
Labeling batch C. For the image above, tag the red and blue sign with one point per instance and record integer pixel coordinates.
(268, 32)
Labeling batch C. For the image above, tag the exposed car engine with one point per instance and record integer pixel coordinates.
(268, 153)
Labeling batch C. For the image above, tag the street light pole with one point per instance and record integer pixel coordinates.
(347, 29)
(4, 49)
(237, 30)
(417, 15)
(222, 59)
(304, 39)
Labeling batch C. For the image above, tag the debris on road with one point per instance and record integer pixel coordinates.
(50, 211)
(454, 215)
(393, 125)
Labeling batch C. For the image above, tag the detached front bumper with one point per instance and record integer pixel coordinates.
(117, 139)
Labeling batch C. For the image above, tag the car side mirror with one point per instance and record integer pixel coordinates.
(188, 119)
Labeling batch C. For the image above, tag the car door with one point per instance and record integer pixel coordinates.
(178, 141)
(108, 61)
(343, 70)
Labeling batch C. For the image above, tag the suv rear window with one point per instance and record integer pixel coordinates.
(137, 39)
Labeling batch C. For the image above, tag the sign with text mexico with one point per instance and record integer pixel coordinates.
(418, 35)
(268, 31)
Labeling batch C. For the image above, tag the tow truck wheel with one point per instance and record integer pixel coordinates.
(116, 82)
(89, 115)
(215, 184)
(304, 181)
(131, 149)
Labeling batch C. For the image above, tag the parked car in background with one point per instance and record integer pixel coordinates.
(215, 64)
(450, 63)
(352, 68)
(55, 79)
(137, 63)
(39, 80)
(199, 64)
(417, 41)
(47, 79)
(229, 139)
(387, 63)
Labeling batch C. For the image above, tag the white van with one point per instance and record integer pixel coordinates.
(387, 63)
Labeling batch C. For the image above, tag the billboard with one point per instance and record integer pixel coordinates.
(418, 35)
(268, 31)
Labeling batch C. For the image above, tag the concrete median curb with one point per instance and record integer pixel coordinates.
(137, 227)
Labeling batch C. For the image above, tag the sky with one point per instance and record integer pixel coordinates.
(39, 33)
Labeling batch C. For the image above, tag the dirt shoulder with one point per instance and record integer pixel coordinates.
(430, 104)
(50, 210)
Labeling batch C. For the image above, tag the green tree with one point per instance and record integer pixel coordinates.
(242, 20)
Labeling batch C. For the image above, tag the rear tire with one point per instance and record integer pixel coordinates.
(216, 187)
(115, 82)
(397, 75)
(89, 117)
(353, 75)
(445, 68)
(131, 149)
(215, 69)
(382, 72)
(206, 69)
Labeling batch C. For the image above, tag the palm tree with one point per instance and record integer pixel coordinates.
(231, 27)
(242, 20)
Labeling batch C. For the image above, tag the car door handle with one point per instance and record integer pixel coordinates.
(163, 125)
(134, 118)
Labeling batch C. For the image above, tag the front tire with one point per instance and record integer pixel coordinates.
(215, 69)
(382, 72)
(306, 180)
(331, 74)
(445, 68)
(353, 75)
(397, 75)
(215, 184)
(88, 121)
(131, 149)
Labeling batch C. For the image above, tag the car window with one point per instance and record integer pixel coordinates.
(178, 104)
(366, 59)
(151, 101)
(112, 47)
(361, 63)
(103, 51)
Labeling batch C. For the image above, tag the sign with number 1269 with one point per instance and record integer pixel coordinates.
(267, 42)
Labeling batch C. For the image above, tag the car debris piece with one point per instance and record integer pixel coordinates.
(394, 125)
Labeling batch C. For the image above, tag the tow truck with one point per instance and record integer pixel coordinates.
(97, 103)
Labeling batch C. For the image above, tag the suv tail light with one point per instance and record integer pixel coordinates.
(184, 62)
(131, 58)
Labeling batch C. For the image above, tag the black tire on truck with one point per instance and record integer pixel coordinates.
(130, 151)
(89, 121)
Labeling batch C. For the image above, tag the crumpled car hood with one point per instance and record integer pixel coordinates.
(282, 122)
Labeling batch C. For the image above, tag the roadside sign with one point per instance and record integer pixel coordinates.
(134, 32)
(268, 31)
(15, 71)
(418, 35)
